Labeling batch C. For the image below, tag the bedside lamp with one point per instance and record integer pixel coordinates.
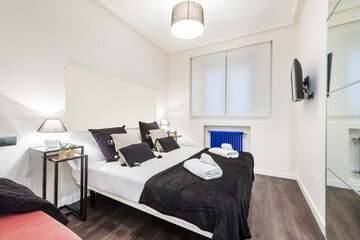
(52, 126)
(164, 124)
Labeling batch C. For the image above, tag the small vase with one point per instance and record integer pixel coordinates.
(62, 154)
(71, 153)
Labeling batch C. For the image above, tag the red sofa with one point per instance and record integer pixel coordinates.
(33, 225)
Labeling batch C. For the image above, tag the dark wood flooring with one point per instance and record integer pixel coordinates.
(342, 214)
(278, 211)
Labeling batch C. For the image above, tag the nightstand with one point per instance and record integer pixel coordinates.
(83, 183)
(45, 152)
(172, 134)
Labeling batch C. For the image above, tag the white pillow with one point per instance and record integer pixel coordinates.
(155, 134)
(123, 140)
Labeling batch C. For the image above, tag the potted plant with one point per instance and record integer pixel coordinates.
(62, 152)
(72, 151)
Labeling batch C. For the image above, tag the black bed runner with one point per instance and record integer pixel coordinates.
(220, 206)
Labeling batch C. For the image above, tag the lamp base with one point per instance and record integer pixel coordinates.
(52, 143)
(164, 127)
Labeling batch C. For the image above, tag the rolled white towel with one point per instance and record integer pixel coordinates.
(206, 158)
(227, 146)
(202, 170)
(224, 153)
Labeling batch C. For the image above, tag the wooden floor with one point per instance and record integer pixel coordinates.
(278, 211)
(342, 214)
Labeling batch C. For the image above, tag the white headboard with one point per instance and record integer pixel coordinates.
(97, 101)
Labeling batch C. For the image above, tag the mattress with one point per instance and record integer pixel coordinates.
(126, 182)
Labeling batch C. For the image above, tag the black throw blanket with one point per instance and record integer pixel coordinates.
(220, 206)
(16, 198)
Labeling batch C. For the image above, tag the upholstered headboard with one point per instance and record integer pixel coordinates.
(97, 101)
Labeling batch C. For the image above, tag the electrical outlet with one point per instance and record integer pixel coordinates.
(27, 173)
(7, 141)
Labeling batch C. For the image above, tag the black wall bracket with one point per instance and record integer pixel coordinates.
(306, 88)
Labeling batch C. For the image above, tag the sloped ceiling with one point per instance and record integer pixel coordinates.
(224, 19)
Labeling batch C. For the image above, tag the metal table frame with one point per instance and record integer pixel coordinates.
(83, 184)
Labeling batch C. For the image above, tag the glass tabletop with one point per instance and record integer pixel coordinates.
(45, 149)
(56, 158)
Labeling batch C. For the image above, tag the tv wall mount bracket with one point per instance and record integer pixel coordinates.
(306, 88)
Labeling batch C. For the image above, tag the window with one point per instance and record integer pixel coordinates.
(208, 85)
(232, 83)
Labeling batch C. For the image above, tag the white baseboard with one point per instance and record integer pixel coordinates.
(69, 200)
(275, 174)
(309, 201)
(340, 184)
(314, 210)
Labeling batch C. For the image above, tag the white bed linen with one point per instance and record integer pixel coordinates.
(128, 183)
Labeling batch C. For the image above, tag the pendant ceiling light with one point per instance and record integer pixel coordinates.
(187, 20)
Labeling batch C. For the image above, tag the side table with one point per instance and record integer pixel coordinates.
(83, 183)
(48, 154)
(45, 151)
(172, 134)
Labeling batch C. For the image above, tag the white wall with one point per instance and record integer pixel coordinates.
(270, 138)
(38, 38)
(311, 114)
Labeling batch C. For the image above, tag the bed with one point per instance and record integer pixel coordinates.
(127, 185)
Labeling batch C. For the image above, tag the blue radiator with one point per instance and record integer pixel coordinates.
(234, 138)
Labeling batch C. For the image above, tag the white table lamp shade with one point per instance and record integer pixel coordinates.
(52, 126)
(164, 122)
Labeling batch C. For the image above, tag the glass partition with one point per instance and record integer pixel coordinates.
(343, 121)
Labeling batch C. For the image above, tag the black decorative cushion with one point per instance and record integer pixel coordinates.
(135, 154)
(144, 131)
(102, 136)
(167, 144)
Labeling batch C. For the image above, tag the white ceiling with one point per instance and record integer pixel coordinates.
(343, 5)
(224, 19)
